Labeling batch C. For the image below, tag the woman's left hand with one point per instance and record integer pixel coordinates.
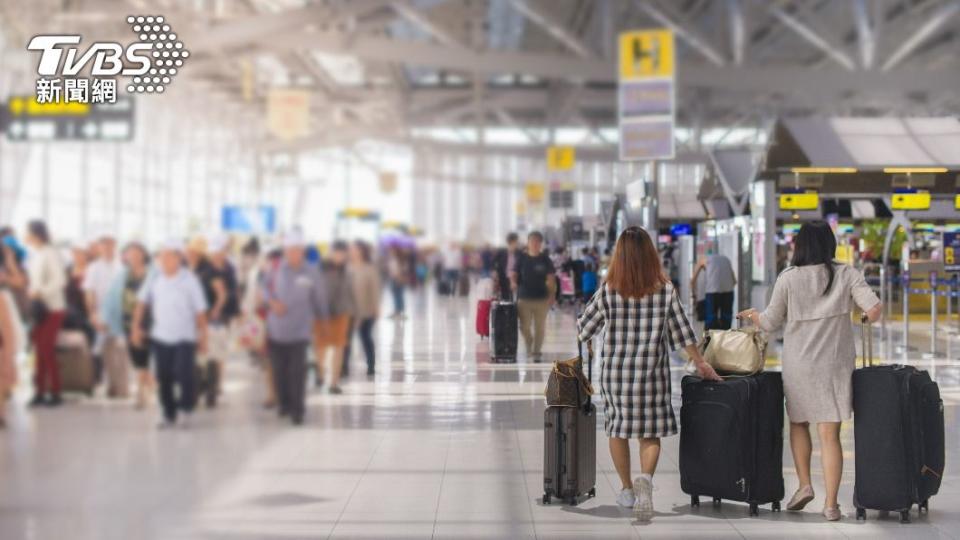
(751, 314)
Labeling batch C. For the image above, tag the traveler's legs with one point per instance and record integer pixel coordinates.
(710, 311)
(278, 361)
(540, 310)
(643, 484)
(620, 452)
(802, 448)
(348, 348)
(725, 309)
(337, 353)
(366, 339)
(295, 375)
(165, 358)
(187, 375)
(649, 455)
(832, 459)
(525, 316)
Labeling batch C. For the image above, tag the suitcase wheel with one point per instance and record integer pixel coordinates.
(754, 510)
(861, 514)
(924, 507)
(694, 501)
(775, 506)
(572, 501)
(905, 516)
(716, 502)
(546, 498)
(592, 492)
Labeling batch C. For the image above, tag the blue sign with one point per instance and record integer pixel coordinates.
(249, 219)
(951, 252)
(681, 229)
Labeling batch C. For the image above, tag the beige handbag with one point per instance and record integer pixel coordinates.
(735, 352)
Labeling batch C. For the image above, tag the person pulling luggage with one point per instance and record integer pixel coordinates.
(812, 300)
(644, 320)
(178, 332)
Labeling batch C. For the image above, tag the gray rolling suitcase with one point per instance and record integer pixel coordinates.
(569, 453)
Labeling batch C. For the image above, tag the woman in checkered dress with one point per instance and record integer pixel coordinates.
(643, 321)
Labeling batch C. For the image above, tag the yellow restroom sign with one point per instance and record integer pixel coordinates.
(535, 192)
(646, 54)
(561, 158)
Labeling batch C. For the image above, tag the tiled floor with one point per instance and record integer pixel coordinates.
(441, 444)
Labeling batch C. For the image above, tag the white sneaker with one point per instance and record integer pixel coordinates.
(626, 498)
(643, 508)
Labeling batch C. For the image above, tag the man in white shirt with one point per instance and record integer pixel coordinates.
(179, 330)
(97, 282)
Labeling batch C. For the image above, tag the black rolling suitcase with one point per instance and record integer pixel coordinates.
(570, 444)
(898, 436)
(731, 440)
(503, 331)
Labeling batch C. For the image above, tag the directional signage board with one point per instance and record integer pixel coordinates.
(249, 219)
(22, 118)
(951, 252)
(646, 95)
(560, 158)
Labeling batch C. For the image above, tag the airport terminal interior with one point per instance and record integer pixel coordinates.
(297, 269)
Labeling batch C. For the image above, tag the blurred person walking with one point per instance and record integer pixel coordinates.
(643, 320)
(720, 285)
(296, 296)
(117, 313)
(220, 288)
(398, 277)
(108, 346)
(77, 314)
(536, 282)
(331, 329)
(178, 331)
(47, 280)
(504, 266)
(365, 284)
(452, 266)
(12, 335)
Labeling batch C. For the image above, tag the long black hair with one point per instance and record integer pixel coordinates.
(816, 244)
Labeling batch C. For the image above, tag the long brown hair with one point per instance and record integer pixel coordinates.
(635, 268)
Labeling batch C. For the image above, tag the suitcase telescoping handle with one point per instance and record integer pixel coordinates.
(866, 340)
(588, 360)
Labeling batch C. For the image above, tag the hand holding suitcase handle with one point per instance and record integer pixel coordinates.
(866, 340)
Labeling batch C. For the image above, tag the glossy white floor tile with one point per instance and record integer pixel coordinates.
(441, 444)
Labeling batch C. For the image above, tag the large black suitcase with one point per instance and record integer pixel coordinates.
(898, 436)
(503, 331)
(731, 440)
(569, 453)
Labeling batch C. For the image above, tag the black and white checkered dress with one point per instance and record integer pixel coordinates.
(635, 373)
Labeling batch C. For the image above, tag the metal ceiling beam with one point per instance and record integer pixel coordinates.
(552, 27)
(738, 33)
(422, 20)
(866, 37)
(690, 36)
(813, 37)
(933, 24)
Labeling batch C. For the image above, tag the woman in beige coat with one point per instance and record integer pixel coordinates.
(365, 281)
(812, 301)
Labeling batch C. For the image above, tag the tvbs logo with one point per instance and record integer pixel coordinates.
(151, 62)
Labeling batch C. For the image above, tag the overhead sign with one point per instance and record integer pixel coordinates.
(951, 252)
(288, 113)
(23, 118)
(388, 182)
(919, 200)
(561, 195)
(956, 202)
(809, 200)
(535, 192)
(560, 158)
(646, 95)
(249, 219)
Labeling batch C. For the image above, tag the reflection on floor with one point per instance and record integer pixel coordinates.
(441, 444)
